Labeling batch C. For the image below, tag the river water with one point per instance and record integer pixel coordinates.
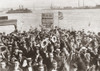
(88, 19)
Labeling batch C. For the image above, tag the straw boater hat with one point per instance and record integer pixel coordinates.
(29, 59)
(57, 51)
(83, 48)
(54, 62)
(40, 67)
(20, 51)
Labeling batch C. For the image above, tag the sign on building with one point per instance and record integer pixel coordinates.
(47, 20)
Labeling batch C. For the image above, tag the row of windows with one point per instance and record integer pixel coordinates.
(47, 15)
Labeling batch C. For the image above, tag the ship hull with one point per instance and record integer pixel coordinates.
(19, 11)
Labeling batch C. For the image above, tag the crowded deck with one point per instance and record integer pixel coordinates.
(54, 50)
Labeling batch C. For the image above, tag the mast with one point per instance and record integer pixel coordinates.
(78, 3)
(19, 7)
(22, 7)
(83, 3)
(51, 5)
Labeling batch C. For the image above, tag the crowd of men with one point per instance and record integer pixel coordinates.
(54, 50)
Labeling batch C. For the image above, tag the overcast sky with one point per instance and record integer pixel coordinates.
(45, 3)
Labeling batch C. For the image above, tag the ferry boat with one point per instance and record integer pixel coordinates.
(20, 10)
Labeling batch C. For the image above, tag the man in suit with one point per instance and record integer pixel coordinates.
(40, 66)
(29, 66)
(16, 66)
(4, 66)
(54, 66)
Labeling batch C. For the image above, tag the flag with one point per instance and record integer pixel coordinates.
(60, 15)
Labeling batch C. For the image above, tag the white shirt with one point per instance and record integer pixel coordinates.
(54, 70)
(30, 69)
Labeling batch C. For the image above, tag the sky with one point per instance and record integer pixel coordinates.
(45, 3)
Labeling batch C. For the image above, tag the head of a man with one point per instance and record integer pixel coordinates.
(51, 56)
(29, 61)
(16, 63)
(3, 64)
(54, 64)
(40, 60)
(40, 68)
(0, 57)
